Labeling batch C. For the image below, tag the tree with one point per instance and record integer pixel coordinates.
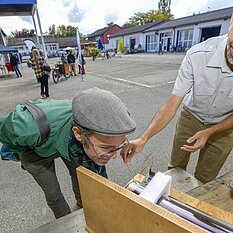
(70, 31)
(121, 46)
(164, 11)
(110, 24)
(94, 52)
(52, 30)
(63, 31)
(141, 18)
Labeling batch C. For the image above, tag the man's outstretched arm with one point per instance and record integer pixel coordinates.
(159, 122)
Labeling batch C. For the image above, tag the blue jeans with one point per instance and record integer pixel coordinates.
(17, 71)
(43, 171)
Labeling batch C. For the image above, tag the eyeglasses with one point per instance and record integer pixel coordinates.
(110, 152)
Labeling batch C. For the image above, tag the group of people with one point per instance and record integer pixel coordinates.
(91, 130)
(71, 60)
(42, 75)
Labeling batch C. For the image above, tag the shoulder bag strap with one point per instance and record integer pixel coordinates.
(41, 119)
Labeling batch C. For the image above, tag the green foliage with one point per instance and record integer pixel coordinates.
(121, 46)
(52, 30)
(70, 31)
(140, 18)
(94, 51)
(64, 31)
(61, 31)
(163, 16)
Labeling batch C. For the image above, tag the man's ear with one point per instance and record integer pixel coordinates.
(77, 133)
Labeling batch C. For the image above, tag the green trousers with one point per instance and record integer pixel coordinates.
(211, 157)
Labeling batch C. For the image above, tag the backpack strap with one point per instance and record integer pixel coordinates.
(41, 119)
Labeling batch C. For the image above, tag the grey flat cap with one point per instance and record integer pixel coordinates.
(102, 112)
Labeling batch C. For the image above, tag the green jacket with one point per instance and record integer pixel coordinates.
(19, 130)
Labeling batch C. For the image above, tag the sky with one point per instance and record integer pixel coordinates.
(90, 15)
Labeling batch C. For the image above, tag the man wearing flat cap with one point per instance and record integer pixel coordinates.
(88, 131)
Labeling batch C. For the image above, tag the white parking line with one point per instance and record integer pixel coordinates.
(131, 82)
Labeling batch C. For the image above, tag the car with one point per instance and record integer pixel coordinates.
(50, 54)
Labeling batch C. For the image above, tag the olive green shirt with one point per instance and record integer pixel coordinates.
(19, 130)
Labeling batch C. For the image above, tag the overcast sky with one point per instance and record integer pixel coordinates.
(90, 15)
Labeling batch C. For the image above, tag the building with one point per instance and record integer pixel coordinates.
(179, 34)
(72, 42)
(52, 44)
(132, 37)
(18, 43)
(104, 34)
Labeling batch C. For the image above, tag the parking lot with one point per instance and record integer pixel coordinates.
(142, 81)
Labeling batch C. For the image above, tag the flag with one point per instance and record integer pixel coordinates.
(79, 47)
(29, 44)
(100, 45)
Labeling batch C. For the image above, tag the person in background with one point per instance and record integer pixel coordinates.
(107, 54)
(41, 75)
(204, 86)
(71, 62)
(63, 59)
(14, 62)
(88, 131)
(20, 58)
(81, 67)
(160, 52)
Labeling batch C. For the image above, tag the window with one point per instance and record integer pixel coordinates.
(185, 39)
(151, 42)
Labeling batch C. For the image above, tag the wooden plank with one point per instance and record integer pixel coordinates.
(109, 207)
(216, 192)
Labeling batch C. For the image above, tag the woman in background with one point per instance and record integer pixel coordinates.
(41, 75)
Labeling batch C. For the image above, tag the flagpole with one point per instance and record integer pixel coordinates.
(79, 50)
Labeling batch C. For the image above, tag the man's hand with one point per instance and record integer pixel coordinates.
(199, 140)
(132, 149)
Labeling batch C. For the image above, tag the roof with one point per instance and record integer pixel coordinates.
(20, 41)
(17, 7)
(72, 41)
(101, 31)
(62, 41)
(221, 14)
(136, 29)
(7, 49)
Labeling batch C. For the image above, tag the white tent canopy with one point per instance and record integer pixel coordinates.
(68, 48)
(23, 8)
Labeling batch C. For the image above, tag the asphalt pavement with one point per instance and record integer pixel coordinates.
(142, 81)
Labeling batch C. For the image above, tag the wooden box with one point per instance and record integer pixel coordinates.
(109, 207)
